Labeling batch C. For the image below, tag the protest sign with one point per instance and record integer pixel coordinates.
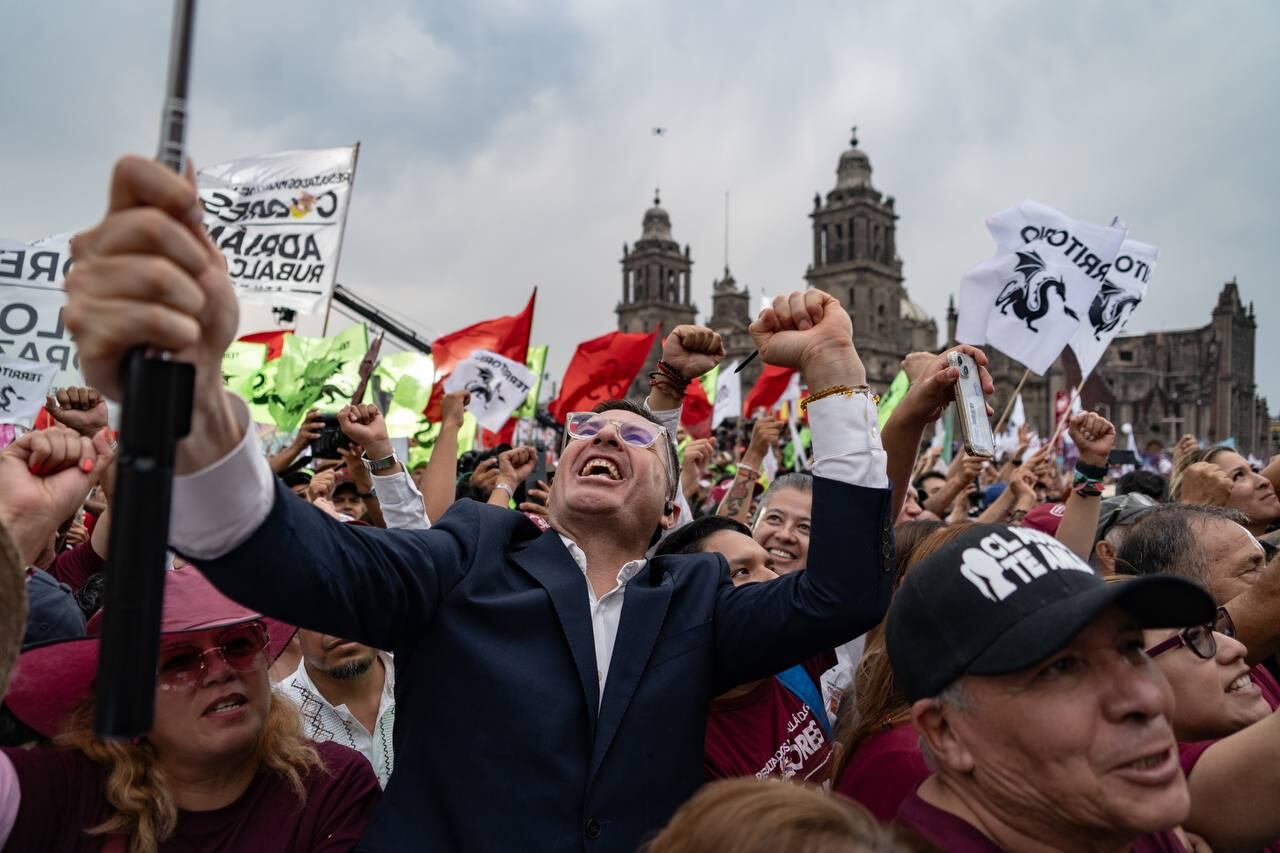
(498, 386)
(31, 303)
(23, 386)
(1031, 297)
(1122, 291)
(278, 219)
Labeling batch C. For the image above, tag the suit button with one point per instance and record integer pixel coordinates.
(593, 828)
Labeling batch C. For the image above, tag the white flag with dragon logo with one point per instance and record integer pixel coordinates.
(1122, 290)
(1031, 297)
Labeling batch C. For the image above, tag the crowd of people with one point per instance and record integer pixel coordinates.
(843, 638)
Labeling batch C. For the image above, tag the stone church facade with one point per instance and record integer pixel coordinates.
(1165, 384)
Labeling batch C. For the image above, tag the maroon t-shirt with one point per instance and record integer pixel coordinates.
(62, 796)
(75, 565)
(1189, 754)
(768, 732)
(1267, 684)
(886, 769)
(950, 833)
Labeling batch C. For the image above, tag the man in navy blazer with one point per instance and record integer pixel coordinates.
(552, 687)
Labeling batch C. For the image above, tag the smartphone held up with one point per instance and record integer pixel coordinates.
(971, 405)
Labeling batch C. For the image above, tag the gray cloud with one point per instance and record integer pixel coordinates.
(508, 144)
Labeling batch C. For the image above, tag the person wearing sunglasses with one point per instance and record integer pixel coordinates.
(1228, 736)
(560, 666)
(225, 766)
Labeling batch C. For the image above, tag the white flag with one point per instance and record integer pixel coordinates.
(1029, 299)
(278, 219)
(1122, 290)
(497, 384)
(23, 386)
(728, 395)
(31, 303)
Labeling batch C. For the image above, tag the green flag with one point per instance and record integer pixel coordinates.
(241, 360)
(536, 361)
(892, 397)
(948, 434)
(426, 440)
(401, 387)
(710, 382)
(319, 372)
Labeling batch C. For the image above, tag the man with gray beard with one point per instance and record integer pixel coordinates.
(346, 693)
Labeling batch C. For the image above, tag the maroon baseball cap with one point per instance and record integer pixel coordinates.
(1045, 518)
(51, 679)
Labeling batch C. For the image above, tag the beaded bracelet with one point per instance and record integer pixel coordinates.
(676, 377)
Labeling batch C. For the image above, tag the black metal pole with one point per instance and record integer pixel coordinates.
(155, 413)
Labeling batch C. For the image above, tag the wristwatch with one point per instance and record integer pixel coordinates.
(372, 493)
(377, 466)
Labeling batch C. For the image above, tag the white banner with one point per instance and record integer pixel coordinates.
(1123, 289)
(728, 395)
(23, 386)
(278, 219)
(1031, 297)
(31, 303)
(498, 386)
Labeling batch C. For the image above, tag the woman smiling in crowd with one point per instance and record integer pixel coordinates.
(1228, 736)
(224, 767)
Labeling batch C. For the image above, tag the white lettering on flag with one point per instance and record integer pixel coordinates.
(1031, 297)
(278, 219)
(498, 386)
(23, 386)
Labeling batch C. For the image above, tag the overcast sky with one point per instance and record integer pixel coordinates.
(508, 144)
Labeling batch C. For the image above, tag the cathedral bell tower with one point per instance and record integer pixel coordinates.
(655, 286)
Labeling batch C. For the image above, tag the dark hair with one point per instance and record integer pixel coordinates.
(1144, 483)
(89, 596)
(918, 482)
(690, 538)
(673, 466)
(1166, 541)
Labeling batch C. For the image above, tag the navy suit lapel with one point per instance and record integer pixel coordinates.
(644, 607)
(549, 562)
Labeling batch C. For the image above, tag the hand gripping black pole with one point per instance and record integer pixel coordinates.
(155, 414)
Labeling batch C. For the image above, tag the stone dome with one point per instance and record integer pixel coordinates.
(913, 311)
(854, 170)
(657, 223)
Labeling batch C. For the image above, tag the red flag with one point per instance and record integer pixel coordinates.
(602, 369)
(273, 340)
(768, 389)
(507, 336)
(695, 417)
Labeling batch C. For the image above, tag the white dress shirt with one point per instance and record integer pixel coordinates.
(401, 502)
(219, 507)
(324, 722)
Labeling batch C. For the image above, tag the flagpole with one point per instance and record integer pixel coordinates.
(1009, 406)
(1066, 416)
(342, 233)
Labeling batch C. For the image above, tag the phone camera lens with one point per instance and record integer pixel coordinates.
(964, 371)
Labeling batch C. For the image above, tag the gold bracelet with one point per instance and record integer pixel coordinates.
(838, 390)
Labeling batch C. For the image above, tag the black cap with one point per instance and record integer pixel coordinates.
(999, 599)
